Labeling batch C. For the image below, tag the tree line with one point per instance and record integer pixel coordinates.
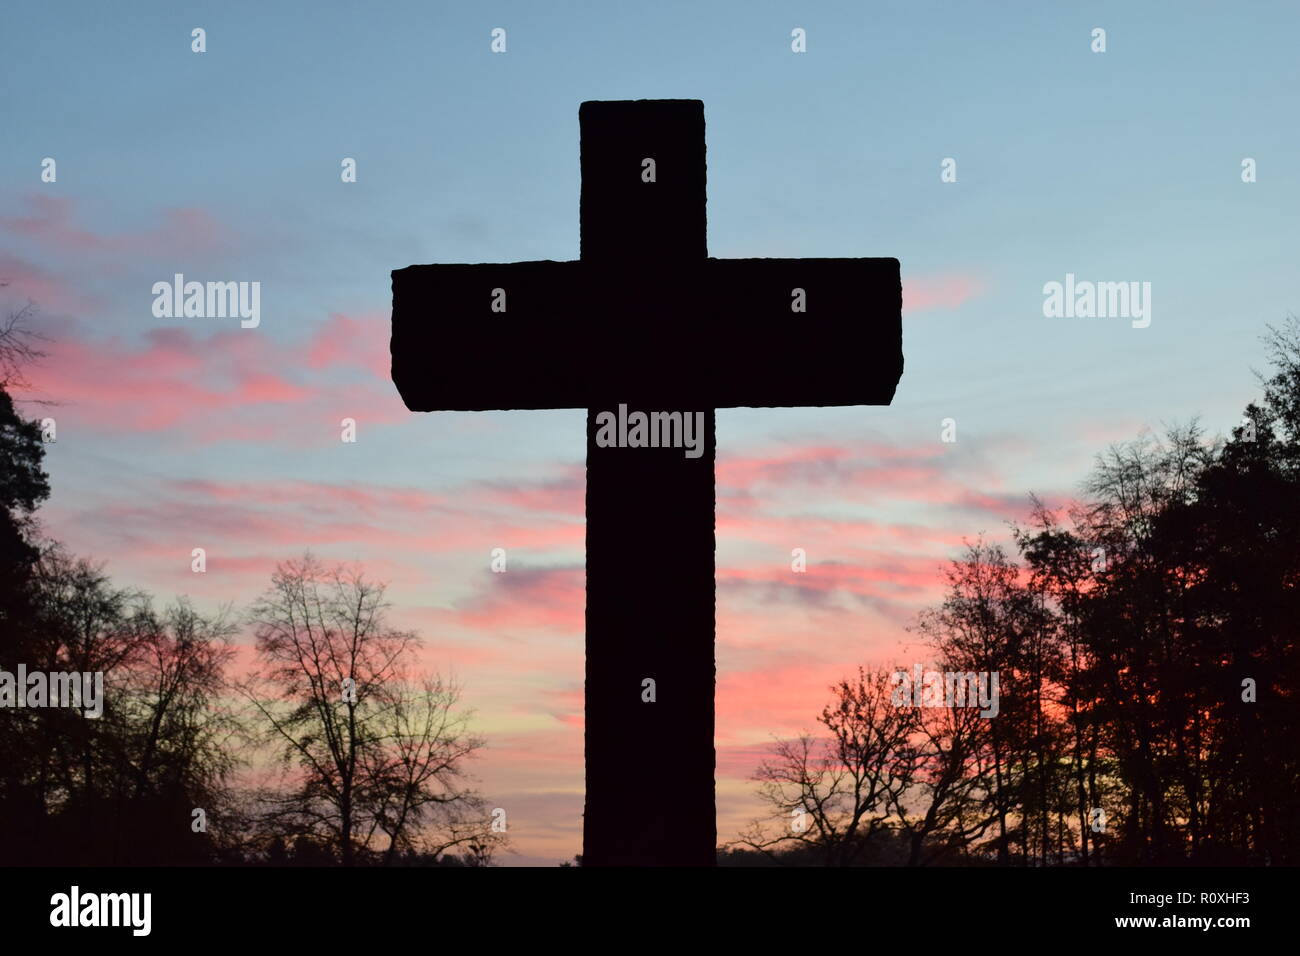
(1145, 637)
(330, 748)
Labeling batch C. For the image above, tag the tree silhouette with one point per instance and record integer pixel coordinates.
(378, 758)
(1146, 643)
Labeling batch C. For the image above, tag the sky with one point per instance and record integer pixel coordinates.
(175, 433)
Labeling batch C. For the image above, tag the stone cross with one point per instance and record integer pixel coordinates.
(650, 335)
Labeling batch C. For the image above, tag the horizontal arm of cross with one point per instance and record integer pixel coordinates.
(713, 332)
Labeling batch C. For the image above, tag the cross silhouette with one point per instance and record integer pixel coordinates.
(647, 320)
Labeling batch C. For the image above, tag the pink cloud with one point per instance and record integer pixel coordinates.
(395, 531)
(879, 574)
(939, 291)
(51, 221)
(26, 282)
(320, 497)
(863, 473)
(352, 341)
(527, 599)
(203, 388)
(566, 495)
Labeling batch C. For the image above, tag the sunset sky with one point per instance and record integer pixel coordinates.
(182, 433)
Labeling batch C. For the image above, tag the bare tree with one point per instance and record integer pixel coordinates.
(983, 625)
(833, 794)
(413, 775)
(378, 756)
(945, 809)
(179, 732)
(19, 346)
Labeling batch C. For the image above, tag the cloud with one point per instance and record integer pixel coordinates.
(197, 384)
(877, 575)
(51, 222)
(566, 495)
(921, 293)
(937, 476)
(524, 598)
(224, 385)
(397, 532)
(25, 282)
(346, 341)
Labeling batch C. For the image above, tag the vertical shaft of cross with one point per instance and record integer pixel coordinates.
(650, 513)
(650, 615)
